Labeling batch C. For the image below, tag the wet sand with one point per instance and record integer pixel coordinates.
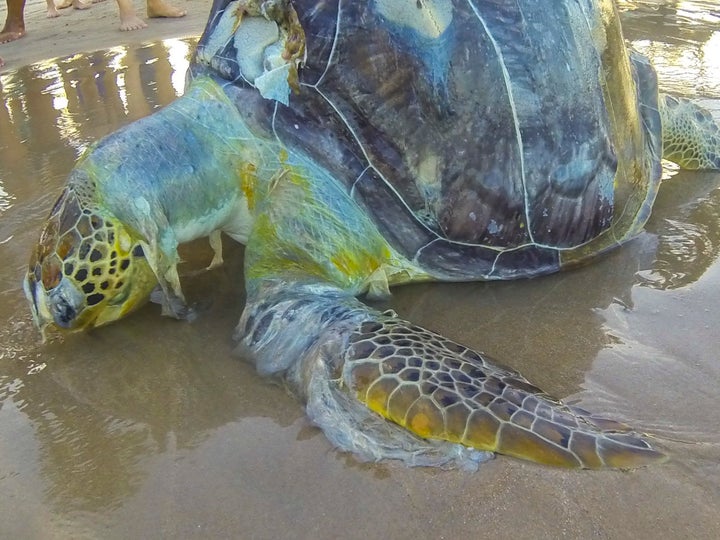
(152, 428)
(92, 29)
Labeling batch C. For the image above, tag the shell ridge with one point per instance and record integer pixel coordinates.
(331, 55)
(357, 180)
(513, 108)
(370, 163)
(418, 253)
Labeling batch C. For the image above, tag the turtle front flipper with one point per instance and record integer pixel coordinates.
(336, 353)
(437, 388)
(183, 173)
(691, 136)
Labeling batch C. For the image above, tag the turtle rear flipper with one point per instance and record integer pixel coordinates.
(338, 355)
(691, 136)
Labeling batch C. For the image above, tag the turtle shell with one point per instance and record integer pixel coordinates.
(487, 140)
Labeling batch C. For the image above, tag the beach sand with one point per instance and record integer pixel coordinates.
(93, 29)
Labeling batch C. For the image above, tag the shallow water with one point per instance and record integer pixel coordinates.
(151, 428)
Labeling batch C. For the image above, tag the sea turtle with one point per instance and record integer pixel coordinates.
(357, 145)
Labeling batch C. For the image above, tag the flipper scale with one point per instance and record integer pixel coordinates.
(691, 137)
(439, 389)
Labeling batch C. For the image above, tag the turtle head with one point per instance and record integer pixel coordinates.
(87, 268)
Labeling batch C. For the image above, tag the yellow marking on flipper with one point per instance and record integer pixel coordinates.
(482, 430)
(456, 419)
(422, 417)
(628, 457)
(421, 425)
(518, 442)
(401, 403)
(378, 395)
(401, 400)
(425, 419)
(375, 404)
(489, 420)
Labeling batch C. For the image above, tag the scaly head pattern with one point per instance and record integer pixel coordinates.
(87, 268)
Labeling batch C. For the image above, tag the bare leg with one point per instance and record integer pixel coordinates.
(158, 8)
(76, 4)
(15, 23)
(52, 11)
(128, 19)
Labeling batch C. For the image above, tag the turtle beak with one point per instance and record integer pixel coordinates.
(62, 305)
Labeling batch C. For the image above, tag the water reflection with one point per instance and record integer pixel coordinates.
(102, 405)
(683, 40)
(114, 86)
(108, 400)
(686, 223)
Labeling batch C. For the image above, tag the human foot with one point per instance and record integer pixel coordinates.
(128, 19)
(76, 4)
(52, 11)
(158, 8)
(131, 23)
(8, 35)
